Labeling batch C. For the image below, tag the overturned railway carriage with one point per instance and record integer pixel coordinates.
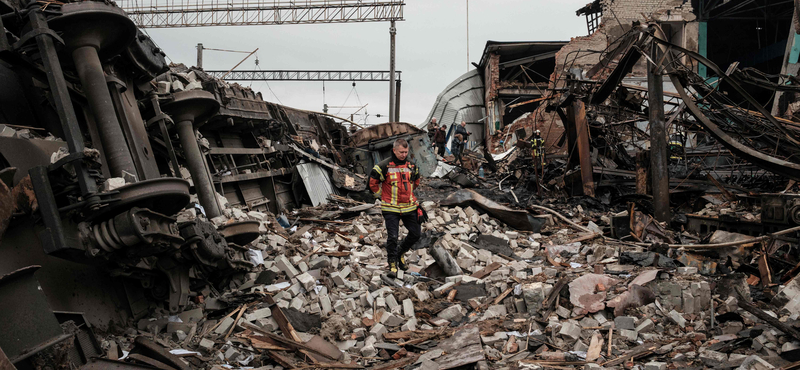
(102, 144)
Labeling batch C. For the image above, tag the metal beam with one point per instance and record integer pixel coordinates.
(252, 75)
(197, 13)
(659, 160)
(528, 60)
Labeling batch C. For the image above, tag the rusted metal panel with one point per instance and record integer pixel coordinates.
(578, 113)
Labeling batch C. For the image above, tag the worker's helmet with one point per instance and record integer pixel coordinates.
(538, 132)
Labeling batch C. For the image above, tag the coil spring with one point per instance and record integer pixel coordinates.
(106, 236)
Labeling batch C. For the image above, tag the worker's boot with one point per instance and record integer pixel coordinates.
(401, 263)
(392, 268)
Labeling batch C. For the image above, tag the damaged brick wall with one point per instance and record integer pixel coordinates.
(618, 17)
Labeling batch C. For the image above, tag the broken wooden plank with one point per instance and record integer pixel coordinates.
(503, 295)
(486, 270)
(281, 359)
(407, 334)
(788, 330)
(398, 364)
(296, 345)
(595, 348)
(764, 270)
(326, 221)
(223, 319)
(238, 316)
(283, 323)
(639, 351)
(725, 193)
(259, 344)
(554, 294)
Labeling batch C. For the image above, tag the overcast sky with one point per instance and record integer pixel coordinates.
(431, 50)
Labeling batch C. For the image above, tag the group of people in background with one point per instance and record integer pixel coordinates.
(438, 137)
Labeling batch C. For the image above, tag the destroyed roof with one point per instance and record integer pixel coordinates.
(513, 50)
(461, 100)
(370, 134)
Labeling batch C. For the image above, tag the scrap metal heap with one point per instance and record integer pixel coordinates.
(121, 173)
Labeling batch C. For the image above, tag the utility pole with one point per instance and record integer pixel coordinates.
(468, 65)
(200, 55)
(658, 140)
(392, 91)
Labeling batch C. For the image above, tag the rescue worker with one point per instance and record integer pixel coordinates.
(537, 146)
(675, 147)
(393, 181)
(440, 139)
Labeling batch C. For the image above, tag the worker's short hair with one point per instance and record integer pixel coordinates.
(400, 143)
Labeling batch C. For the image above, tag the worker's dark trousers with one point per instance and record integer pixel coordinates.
(411, 222)
(440, 148)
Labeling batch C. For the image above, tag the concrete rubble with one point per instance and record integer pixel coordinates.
(333, 300)
(171, 235)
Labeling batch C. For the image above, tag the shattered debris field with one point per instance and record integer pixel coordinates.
(627, 199)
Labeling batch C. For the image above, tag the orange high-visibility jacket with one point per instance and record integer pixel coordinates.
(393, 181)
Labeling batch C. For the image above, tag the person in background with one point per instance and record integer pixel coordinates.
(439, 140)
(433, 126)
(393, 181)
(461, 136)
(537, 145)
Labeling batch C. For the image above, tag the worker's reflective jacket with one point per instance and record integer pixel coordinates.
(393, 181)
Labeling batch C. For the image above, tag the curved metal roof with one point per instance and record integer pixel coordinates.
(462, 100)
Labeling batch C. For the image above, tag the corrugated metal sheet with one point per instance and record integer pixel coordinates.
(462, 100)
(317, 181)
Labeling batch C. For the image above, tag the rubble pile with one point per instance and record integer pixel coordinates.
(565, 296)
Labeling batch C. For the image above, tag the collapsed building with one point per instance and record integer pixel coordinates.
(152, 216)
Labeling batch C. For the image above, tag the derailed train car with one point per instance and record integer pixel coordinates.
(102, 145)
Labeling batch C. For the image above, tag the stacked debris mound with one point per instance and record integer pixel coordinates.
(477, 294)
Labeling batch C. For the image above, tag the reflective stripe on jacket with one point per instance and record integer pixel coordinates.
(393, 181)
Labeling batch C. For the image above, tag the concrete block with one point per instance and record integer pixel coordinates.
(408, 308)
(653, 365)
(571, 330)
(297, 303)
(630, 335)
(337, 279)
(410, 325)
(452, 313)
(755, 363)
(224, 326)
(391, 302)
(378, 330)
(369, 351)
(534, 295)
(494, 338)
(339, 307)
(283, 263)
(646, 326)
(206, 344)
(712, 359)
(391, 320)
(678, 318)
(624, 323)
(422, 294)
(258, 314)
(325, 302)
(307, 281)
